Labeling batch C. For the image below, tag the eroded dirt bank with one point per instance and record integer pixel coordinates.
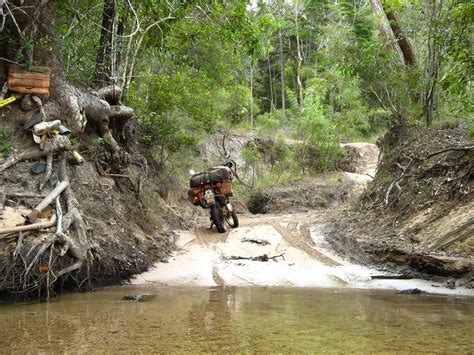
(417, 213)
(129, 215)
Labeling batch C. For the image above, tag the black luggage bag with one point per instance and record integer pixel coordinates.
(213, 175)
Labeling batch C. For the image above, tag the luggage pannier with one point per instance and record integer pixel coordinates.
(193, 196)
(213, 175)
(226, 188)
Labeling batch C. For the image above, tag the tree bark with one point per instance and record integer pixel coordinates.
(299, 60)
(386, 29)
(270, 82)
(403, 43)
(76, 108)
(252, 123)
(282, 74)
(433, 66)
(103, 69)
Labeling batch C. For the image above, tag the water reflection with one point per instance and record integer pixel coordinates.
(230, 319)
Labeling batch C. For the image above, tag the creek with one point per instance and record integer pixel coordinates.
(238, 319)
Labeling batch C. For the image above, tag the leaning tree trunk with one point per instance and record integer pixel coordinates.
(391, 29)
(77, 109)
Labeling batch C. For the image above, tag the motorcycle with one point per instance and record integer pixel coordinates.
(212, 189)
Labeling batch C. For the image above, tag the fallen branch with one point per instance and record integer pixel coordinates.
(396, 183)
(447, 150)
(461, 233)
(57, 144)
(255, 241)
(31, 218)
(29, 227)
(263, 258)
(391, 277)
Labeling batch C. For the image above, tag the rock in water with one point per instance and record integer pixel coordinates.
(451, 284)
(138, 298)
(411, 291)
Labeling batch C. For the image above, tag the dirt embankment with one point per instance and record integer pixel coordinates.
(129, 216)
(417, 212)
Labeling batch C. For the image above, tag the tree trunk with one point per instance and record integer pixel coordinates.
(76, 108)
(299, 60)
(252, 122)
(270, 82)
(403, 43)
(282, 75)
(433, 62)
(386, 29)
(103, 69)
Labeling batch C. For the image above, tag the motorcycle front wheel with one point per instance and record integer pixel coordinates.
(231, 219)
(217, 217)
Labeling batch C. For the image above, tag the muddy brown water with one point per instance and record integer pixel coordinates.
(197, 319)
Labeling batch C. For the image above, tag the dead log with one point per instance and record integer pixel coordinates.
(462, 148)
(465, 231)
(263, 258)
(391, 277)
(31, 218)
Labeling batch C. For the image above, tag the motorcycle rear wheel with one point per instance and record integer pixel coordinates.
(217, 216)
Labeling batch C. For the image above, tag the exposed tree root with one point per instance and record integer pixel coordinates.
(77, 248)
(42, 250)
(57, 144)
(397, 182)
(100, 111)
(49, 170)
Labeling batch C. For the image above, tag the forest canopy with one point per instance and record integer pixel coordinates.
(315, 71)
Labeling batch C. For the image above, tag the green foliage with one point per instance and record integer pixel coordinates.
(79, 33)
(250, 154)
(200, 65)
(6, 146)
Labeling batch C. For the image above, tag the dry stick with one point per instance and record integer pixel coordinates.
(28, 227)
(396, 182)
(59, 143)
(46, 201)
(447, 150)
(49, 170)
(19, 243)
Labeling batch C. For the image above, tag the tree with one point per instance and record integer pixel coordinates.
(35, 24)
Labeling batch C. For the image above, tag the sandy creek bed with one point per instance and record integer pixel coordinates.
(205, 258)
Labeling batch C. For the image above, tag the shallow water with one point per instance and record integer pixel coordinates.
(185, 319)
